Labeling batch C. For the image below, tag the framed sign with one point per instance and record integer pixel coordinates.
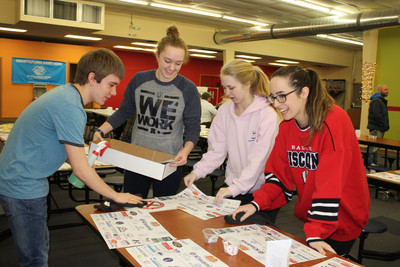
(27, 70)
(335, 85)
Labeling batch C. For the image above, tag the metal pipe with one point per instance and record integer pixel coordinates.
(336, 24)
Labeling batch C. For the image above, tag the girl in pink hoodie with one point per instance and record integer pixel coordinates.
(244, 130)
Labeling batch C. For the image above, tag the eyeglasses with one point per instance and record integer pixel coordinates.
(280, 98)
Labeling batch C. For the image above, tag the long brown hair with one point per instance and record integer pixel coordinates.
(318, 101)
(172, 38)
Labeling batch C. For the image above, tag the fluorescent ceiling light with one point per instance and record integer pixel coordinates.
(143, 3)
(134, 48)
(332, 10)
(83, 37)
(245, 20)
(248, 57)
(189, 10)
(203, 51)
(309, 5)
(144, 44)
(127, 47)
(149, 50)
(200, 55)
(12, 29)
(278, 64)
(339, 39)
(287, 61)
(248, 60)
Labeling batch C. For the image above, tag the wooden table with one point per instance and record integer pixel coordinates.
(380, 142)
(183, 225)
(379, 180)
(5, 131)
(106, 112)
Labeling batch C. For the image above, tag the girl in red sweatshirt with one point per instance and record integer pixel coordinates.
(317, 153)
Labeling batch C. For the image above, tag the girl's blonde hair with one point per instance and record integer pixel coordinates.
(244, 72)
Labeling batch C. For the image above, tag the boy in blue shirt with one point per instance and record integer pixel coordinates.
(47, 133)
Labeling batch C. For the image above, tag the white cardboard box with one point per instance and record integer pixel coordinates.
(136, 159)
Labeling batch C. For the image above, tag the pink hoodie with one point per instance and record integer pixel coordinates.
(246, 140)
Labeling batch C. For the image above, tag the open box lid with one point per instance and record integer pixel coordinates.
(136, 159)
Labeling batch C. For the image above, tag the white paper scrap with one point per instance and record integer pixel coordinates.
(278, 253)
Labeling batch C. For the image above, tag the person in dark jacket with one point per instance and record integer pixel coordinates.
(378, 119)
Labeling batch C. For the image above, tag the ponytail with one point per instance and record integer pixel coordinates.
(318, 102)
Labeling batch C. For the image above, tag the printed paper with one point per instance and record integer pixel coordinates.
(130, 228)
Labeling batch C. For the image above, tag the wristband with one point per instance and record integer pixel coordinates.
(100, 131)
(255, 205)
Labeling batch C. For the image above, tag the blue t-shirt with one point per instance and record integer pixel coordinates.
(35, 147)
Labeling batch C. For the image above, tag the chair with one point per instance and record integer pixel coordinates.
(102, 173)
(89, 128)
(214, 177)
(99, 119)
(378, 168)
(126, 134)
(195, 155)
(390, 159)
(117, 181)
(373, 227)
(378, 189)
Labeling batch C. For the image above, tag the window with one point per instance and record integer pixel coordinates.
(39, 8)
(91, 14)
(67, 10)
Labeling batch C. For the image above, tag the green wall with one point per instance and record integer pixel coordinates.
(388, 72)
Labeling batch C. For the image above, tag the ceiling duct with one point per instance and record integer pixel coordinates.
(335, 24)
